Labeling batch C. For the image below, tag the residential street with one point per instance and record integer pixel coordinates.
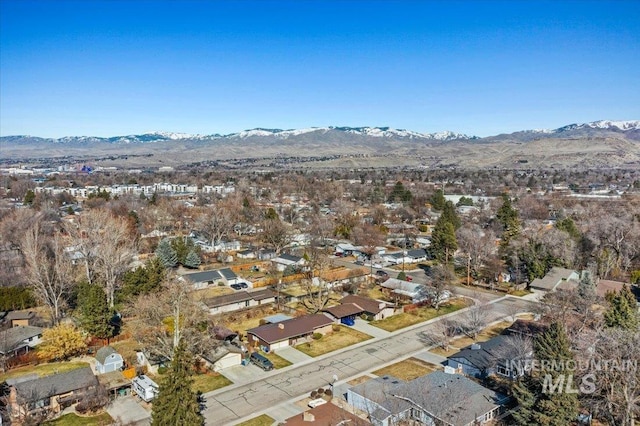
(243, 400)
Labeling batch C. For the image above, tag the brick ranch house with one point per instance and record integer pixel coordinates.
(290, 332)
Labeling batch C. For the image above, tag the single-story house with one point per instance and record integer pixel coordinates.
(203, 279)
(223, 333)
(326, 415)
(554, 278)
(289, 333)
(274, 319)
(343, 311)
(227, 246)
(284, 260)
(405, 290)
(246, 254)
(19, 318)
(417, 255)
(108, 360)
(436, 398)
(267, 254)
(526, 328)
(375, 309)
(18, 340)
(240, 300)
(499, 355)
(223, 356)
(52, 393)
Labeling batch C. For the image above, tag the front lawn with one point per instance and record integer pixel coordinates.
(276, 360)
(45, 369)
(464, 341)
(342, 337)
(262, 420)
(73, 419)
(519, 293)
(407, 370)
(406, 319)
(209, 381)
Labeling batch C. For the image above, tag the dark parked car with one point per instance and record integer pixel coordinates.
(381, 273)
(261, 361)
(348, 321)
(243, 285)
(236, 286)
(359, 262)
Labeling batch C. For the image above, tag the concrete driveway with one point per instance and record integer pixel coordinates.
(293, 355)
(366, 328)
(243, 373)
(431, 358)
(127, 411)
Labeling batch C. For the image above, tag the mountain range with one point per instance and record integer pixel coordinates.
(600, 143)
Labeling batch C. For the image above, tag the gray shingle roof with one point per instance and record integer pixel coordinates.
(13, 338)
(104, 352)
(490, 353)
(239, 296)
(56, 384)
(228, 273)
(290, 257)
(204, 276)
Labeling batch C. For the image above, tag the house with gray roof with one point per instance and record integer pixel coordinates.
(240, 300)
(284, 260)
(20, 339)
(204, 279)
(436, 398)
(108, 360)
(554, 278)
(50, 393)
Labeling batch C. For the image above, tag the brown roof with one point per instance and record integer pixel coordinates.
(605, 286)
(272, 333)
(527, 328)
(344, 310)
(371, 306)
(326, 415)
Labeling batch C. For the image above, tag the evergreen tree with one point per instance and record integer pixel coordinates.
(443, 240)
(437, 200)
(449, 214)
(586, 286)
(142, 280)
(192, 260)
(400, 193)
(508, 217)
(622, 312)
(29, 197)
(568, 225)
(93, 311)
(167, 254)
(537, 405)
(177, 403)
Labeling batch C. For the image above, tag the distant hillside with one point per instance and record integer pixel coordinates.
(596, 144)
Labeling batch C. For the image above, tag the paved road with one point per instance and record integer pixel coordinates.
(227, 405)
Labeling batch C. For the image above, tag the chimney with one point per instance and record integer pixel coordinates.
(281, 326)
(308, 417)
(476, 347)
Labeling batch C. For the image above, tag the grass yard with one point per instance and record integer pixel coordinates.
(464, 341)
(408, 369)
(418, 315)
(209, 381)
(212, 291)
(43, 369)
(335, 340)
(358, 380)
(262, 420)
(374, 293)
(520, 293)
(73, 419)
(276, 360)
(127, 348)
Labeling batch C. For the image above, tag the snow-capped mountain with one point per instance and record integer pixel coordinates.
(604, 125)
(376, 132)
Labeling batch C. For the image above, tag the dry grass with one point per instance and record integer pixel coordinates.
(208, 293)
(127, 348)
(464, 341)
(276, 360)
(408, 369)
(209, 381)
(418, 315)
(358, 380)
(72, 419)
(335, 340)
(43, 369)
(262, 420)
(374, 293)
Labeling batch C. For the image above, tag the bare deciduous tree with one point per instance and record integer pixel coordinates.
(276, 234)
(48, 270)
(475, 319)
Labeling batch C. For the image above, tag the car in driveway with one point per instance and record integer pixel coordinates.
(359, 262)
(348, 321)
(236, 286)
(261, 361)
(243, 285)
(382, 274)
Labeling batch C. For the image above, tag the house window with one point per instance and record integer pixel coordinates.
(246, 303)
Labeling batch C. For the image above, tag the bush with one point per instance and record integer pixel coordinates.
(335, 327)
(162, 370)
(313, 394)
(317, 336)
(320, 391)
(328, 393)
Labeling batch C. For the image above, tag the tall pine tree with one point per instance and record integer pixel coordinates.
(538, 405)
(167, 254)
(508, 217)
(177, 403)
(93, 311)
(622, 312)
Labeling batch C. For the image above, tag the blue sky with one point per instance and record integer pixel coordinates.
(476, 67)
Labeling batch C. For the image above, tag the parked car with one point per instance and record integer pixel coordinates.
(382, 273)
(348, 321)
(261, 361)
(359, 262)
(236, 286)
(408, 278)
(243, 285)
